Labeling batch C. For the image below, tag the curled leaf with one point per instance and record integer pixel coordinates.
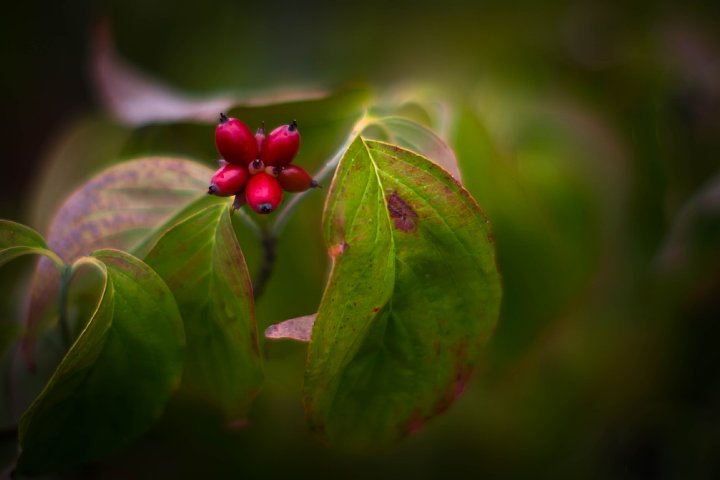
(116, 378)
(17, 239)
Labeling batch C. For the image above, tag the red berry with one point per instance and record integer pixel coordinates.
(295, 179)
(281, 146)
(235, 142)
(263, 193)
(228, 180)
(260, 138)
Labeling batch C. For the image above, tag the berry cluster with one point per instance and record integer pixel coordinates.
(257, 168)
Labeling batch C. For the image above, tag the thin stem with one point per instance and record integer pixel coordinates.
(250, 222)
(327, 169)
(268, 242)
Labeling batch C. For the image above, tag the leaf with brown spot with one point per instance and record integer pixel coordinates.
(118, 208)
(408, 305)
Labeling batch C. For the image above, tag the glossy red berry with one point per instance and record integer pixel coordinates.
(228, 180)
(295, 179)
(263, 193)
(235, 141)
(281, 145)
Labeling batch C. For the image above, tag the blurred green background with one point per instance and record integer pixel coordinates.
(588, 132)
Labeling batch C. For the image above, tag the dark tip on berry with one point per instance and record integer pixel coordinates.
(265, 208)
(212, 189)
(223, 119)
(261, 129)
(257, 163)
(315, 184)
(293, 126)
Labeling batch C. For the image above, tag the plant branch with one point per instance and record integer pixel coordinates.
(268, 242)
(250, 222)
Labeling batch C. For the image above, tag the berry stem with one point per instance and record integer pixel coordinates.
(268, 242)
(250, 222)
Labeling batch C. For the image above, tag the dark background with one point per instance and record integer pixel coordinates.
(590, 134)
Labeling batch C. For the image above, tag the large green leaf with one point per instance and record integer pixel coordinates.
(202, 263)
(413, 294)
(116, 378)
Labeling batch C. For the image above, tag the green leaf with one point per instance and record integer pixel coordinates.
(17, 239)
(118, 208)
(190, 209)
(202, 263)
(116, 378)
(413, 295)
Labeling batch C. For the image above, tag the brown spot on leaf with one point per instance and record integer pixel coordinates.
(403, 215)
(376, 309)
(338, 249)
